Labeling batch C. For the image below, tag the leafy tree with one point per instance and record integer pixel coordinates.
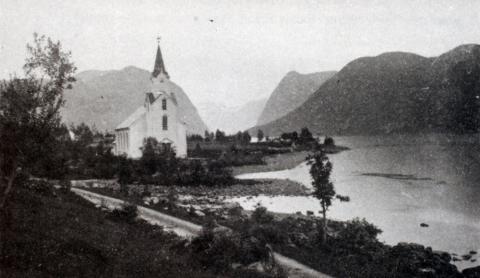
(29, 109)
(329, 141)
(260, 135)
(149, 159)
(124, 173)
(246, 137)
(305, 135)
(220, 136)
(323, 189)
(292, 136)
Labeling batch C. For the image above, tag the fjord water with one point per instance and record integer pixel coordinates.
(398, 182)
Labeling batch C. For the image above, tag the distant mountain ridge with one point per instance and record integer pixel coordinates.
(290, 93)
(394, 92)
(106, 98)
(231, 119)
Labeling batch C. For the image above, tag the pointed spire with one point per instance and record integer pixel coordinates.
(159, 66)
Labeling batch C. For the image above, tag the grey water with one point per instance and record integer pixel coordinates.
(398, 182)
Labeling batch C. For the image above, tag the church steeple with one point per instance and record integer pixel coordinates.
(159, 67)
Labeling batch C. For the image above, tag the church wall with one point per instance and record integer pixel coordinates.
(182, 140)
(136, 135)
(154, 120)
(121, 141)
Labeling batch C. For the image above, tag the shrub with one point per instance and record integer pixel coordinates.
(261, 216)
(328, 141)
(359, 233)
(127, 213)
(218, 249)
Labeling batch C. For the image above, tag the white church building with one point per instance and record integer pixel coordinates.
(157, 118)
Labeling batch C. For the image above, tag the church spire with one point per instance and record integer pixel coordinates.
(159, 66)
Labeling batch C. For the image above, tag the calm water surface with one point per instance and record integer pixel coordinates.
(398, 182)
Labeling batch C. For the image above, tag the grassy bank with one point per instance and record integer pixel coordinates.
(352, 249)
(49, 233)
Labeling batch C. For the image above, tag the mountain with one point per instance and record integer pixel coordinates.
(393, 93)
(219, 116)
(106, 98)
(290, 93)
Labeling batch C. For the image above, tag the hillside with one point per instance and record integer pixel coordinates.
(53, 233)
(106, 98)
(393, 93)
(218, 116)
(290, 93)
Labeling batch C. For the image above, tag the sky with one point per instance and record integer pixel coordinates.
(230, 52)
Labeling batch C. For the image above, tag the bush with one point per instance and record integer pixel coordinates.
(328, 141)
(127, 213)
(261, 216)
(219, 249)
(39, 186)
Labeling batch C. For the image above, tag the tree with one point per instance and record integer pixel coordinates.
(328, 141)
(260, 135)
(220, 136)
(323, 189)
(29, 109)
(124, 173)
(305, 135)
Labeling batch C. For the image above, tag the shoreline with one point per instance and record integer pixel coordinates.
(283, 161)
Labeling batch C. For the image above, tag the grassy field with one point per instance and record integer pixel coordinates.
(274, 163)
(55, 234)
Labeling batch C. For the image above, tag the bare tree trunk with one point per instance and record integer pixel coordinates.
(8, 187)
(324, 212)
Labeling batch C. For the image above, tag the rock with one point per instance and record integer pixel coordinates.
(231, 205)
(257, 266)
(466, 257)
(309, 213)
(445, 256)
(199, 213)
(298, 213)
(424, 225)
(427, 270)
(236, 265)
(473, 272)
(455, 259)
(473, 252)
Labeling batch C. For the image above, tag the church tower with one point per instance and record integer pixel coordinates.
(157, 118)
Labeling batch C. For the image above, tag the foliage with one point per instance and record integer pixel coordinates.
(29, 109)
(220, 248)
(260, 135)
(52, 232)
(261, 216)
(323, 190)
(328, 141)
(127, 213)
(305, 136)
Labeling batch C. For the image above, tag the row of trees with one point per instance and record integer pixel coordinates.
(159, 165)
(221, 137)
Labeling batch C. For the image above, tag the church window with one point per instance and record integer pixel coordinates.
(164, 104)
(165, 122)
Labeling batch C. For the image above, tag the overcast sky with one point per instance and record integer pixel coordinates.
(234, 51)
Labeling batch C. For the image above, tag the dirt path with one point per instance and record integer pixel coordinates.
(187, 229)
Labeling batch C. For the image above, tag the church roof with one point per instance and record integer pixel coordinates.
(159, 66)
(132, 118)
